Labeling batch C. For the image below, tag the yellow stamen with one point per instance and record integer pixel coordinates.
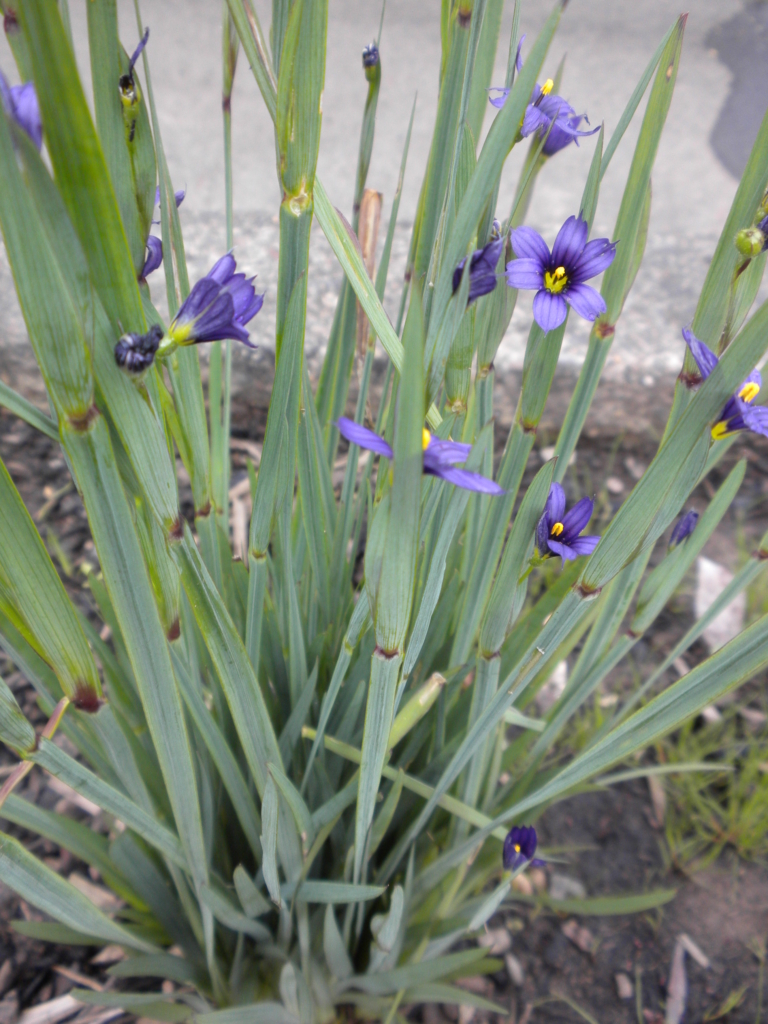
(557, 529)
(547, 88)
(555, 280)
(750, 391)
(720, 430)
(426, 437)
(517, 847)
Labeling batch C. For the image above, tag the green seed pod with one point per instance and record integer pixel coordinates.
(750, 241)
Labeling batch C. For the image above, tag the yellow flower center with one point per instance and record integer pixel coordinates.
(555, 280)
(517, 847)
(547, 88)
(720, 430)
(426, 437)
(557, 529)
(179, 333)
(750, 391)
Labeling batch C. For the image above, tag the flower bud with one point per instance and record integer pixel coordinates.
(371, 63)
(750, 241)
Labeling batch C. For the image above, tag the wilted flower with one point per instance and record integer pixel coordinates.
(440, 457)
(519, 847)
(482, 270)
(559, 276)
(20, 102)
(136, 352)
(557, 532)
(154, 256)
(218, 307)
(178, 196)
(155, 244)
(129, 92)
(738, 412)
(546, 108)
(684, 528)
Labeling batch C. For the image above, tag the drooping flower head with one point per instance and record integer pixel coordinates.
(20, 102)
(482, 270)
(558, 532)
(218, 307)
(441, 458)
(136, 352)
(154, 256)
(559, 277)
(546, 109)
(738, 412)
(519, 847)
(684, 528)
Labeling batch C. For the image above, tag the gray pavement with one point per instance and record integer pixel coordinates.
(608, 44)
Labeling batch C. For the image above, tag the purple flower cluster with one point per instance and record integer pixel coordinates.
(440, 457)
(558, 532)
(560, 276)
(738, 412)
(550, 115)
(218, 307)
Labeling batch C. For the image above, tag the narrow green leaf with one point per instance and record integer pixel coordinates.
(21, 407)
(269, 816)
(79, 165)
(49, 756)
(336, 956)
(222, 756)
(49, 892)
(452, 966)
(250, 897)
(298, 808)
(666, 577)
(253, 1013)
(500, 604)
(225, 911)
(92, 459)
(379, 712)
(158, 965)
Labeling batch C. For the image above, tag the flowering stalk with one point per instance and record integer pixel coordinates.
(220, 370)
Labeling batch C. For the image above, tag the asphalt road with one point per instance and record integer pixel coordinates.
(721, 92)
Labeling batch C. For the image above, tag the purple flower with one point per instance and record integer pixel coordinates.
(738, 412)
(136, 352)
(155, 244)
(546, 108)
(218, 307)
(519, 847)
(557, 532)
(154, 256)
(20, 102)
(178, 196)
(560, 276)
(684, 528)
(440, 457)
(482, 270)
